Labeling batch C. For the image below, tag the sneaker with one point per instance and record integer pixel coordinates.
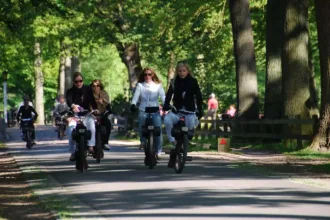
(141, 146)
(106, 147)
(73, 157)
(159, 156)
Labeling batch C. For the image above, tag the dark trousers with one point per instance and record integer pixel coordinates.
(107, 124)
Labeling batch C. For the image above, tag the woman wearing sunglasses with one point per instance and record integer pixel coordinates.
(80, 97)
(148, 91)
(103, 104)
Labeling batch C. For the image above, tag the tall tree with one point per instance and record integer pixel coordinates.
(68, 73)
(246, 77)
(321, 140)
(274, 44)
(296, 76)
(39, 84)
(75, 64)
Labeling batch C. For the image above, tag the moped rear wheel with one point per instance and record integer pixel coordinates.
(98, 147)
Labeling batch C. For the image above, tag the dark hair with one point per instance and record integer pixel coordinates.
(76, 74)
(154, 75)
(99, 82)
(26, 98)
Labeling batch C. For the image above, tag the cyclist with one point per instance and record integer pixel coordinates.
(78, 98)
(60, 108)
(186, 94)
(148, 90)
(103, 104)
(27, 111)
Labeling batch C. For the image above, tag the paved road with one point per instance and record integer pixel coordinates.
(122, 188)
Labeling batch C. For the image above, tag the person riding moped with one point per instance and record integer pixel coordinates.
(103, 105)
(148, 90)
(80, 98)
(60, 108)
(27, 111)
(186, 95)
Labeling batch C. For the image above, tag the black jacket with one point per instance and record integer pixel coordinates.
(83, 97)
(26, 112)
(186, 93)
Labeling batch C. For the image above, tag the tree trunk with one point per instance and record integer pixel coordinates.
(68, 74)
(296, 90)
(321, 142)
(61, 76)
(170, 70)
(75, 65)
(246, 77)
(39, 84)
(130, 56)
(312, 103)
(274, 44)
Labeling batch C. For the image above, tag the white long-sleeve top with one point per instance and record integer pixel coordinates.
(148, 94)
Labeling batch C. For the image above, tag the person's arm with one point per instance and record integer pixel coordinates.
(137, 94)
(69, 98)
(168, 98)
(19, 113)
(161, 93)
(209, 104)
(199, 98)
(105, 97)
(34, 112)
(92, 98)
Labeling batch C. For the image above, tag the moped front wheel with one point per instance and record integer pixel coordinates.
(181, 151)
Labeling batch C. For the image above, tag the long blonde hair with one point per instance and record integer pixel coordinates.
(178, 66)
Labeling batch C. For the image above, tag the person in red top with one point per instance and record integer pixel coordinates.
(212, 106)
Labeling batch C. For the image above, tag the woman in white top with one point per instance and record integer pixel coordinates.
(148, 91)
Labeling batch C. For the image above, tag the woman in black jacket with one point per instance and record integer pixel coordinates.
(187, 96)
(78, 98)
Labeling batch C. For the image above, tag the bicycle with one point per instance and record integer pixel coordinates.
(27, 130)
(81, 135)
(60, 123)
(149, 131)
(179, 155)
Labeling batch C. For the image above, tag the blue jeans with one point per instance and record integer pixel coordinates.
(171, 119)
(157, 121)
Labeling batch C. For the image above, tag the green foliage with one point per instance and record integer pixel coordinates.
(197, 31)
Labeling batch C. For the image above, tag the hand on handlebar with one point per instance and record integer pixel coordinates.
(132, 108)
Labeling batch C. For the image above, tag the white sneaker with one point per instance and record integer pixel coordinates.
(106, 147)
(159, 156)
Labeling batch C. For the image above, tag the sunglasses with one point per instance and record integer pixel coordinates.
(148, 74)
(96, 85)
(78, 81)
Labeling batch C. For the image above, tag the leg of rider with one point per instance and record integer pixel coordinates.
(72, 143)
(142, 119)
(169, 120)
(157, 121)
(190, 122)
(90, 125)
(107, 124)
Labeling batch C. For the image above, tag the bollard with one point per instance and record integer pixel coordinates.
(223, 144)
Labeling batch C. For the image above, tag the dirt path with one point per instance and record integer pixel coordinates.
(16, 199)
